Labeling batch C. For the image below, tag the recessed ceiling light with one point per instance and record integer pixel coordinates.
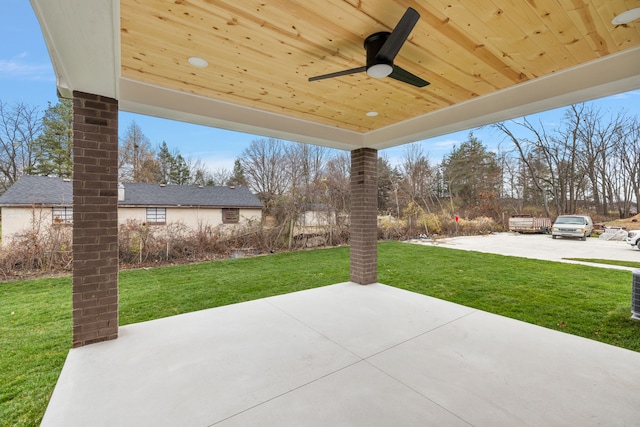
(198, 62)
(626, 17)
(372, 113)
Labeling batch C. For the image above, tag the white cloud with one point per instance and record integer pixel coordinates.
(623, 96)
(19, 67)
(444, 144)
(216, 161)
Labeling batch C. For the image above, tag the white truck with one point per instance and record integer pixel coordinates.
(572, 226)
(633, 238)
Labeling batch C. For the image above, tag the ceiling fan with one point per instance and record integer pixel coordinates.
(381, 49)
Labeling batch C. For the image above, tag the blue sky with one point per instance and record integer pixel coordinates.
(26, 76)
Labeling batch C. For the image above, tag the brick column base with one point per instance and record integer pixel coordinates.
(95, 219)
(363, 233)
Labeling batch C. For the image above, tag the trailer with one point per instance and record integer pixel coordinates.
(529, 224)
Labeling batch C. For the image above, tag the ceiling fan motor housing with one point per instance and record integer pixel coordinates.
(372, 45)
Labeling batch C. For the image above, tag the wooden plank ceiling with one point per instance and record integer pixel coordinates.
(261, 53)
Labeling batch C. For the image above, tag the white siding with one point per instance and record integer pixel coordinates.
(16, 219)
(134, 214)
(317, 218)
(250, 215)
(194, 217)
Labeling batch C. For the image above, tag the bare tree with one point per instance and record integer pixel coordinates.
(417, 177)
(338, 173)
(546, 159)
(222, 176)
(304, 168)
(137, 162)
(628, 154)
(598, 138)
(590, 161)
(264, 165)
(20, 127)
(514, 181)
(305, 163)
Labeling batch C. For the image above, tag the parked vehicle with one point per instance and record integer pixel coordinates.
(529, 224)
(572, 226)
(633, 238)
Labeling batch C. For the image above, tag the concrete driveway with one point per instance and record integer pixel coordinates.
(541, 246)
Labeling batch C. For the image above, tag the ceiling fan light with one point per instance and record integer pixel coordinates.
(379, 71)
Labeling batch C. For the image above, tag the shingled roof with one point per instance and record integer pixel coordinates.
(43, 190)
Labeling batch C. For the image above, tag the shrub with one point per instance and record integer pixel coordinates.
(479, 225)
(38, 249)
(47, 249)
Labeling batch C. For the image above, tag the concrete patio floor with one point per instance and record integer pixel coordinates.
(346, 355)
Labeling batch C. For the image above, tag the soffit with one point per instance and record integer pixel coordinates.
(486, 61)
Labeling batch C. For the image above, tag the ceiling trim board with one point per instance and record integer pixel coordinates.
(141, 98)
(613, 74)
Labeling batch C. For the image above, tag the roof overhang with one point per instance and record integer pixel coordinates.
(83, 39)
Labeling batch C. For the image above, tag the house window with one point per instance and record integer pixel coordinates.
(156, 216)
(230, 215)
(62, 215)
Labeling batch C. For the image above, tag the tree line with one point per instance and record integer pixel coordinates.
(139, 161)
(590, 162)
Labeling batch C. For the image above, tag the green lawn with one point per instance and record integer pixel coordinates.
(35, 315)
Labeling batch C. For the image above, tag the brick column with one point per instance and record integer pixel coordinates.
(95, 219)
(364, 211)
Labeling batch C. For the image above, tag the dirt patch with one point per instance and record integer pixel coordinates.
(632, 223)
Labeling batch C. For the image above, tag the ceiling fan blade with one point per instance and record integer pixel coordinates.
(398, 36)
(338, 74)
(406, 77)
